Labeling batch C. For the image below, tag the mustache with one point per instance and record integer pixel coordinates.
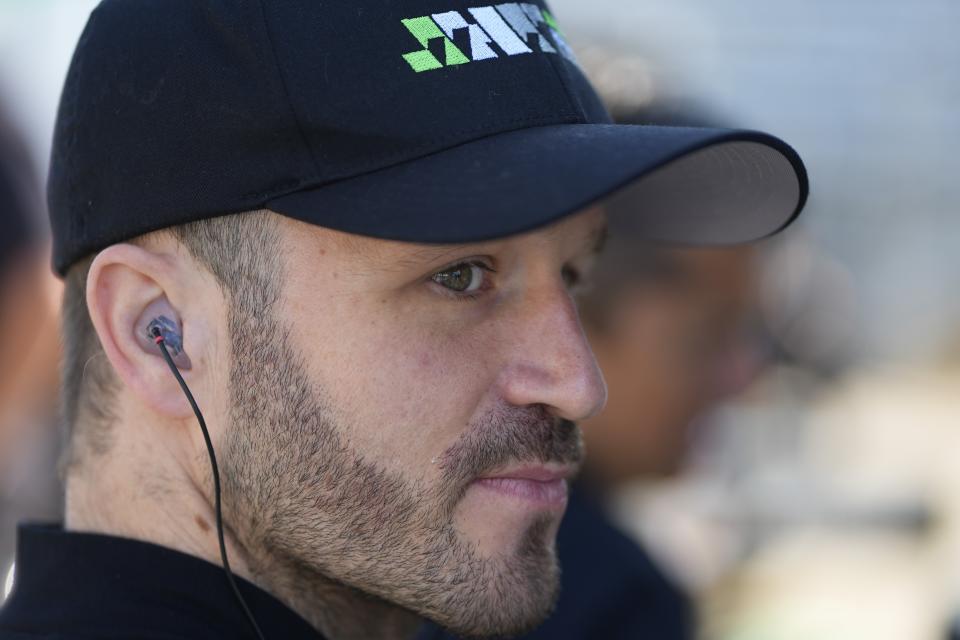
(521, 434)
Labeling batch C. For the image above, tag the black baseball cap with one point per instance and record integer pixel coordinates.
(423, 120)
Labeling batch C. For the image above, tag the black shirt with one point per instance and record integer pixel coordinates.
(82, 586)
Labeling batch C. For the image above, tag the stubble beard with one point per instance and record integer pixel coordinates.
(319, 518)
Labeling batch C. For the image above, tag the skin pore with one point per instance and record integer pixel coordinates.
(392, 420)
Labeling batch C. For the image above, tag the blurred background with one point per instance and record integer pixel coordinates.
(809, 490)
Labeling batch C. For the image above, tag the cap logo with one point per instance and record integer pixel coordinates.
(483, 33)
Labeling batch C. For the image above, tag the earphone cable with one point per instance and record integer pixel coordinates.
(158, 338)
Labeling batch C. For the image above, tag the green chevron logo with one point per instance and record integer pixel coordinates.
(483, 33)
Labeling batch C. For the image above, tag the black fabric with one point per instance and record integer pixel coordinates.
(79, 586)
(610, 587)
(73, 586)
(517, 181)
(177, 110)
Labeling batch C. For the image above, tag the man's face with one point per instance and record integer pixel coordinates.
(403, 418)
(676, 345)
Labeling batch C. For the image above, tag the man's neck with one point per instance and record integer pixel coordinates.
(178, 515)
(338, 611)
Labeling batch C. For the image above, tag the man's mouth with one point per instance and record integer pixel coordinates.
(544, 486)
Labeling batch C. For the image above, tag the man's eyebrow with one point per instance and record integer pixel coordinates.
(420, 255)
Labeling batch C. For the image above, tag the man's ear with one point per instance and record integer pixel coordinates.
(129, 289)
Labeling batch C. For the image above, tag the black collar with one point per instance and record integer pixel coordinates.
(88, 585)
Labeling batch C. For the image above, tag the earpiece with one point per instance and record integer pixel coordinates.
(165, 335)
(160, 315)
(169, 331)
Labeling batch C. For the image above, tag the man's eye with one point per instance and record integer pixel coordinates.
(462, 278)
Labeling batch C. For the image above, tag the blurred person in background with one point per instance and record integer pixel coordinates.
(671, 329)
(668, 328)
(29, 349)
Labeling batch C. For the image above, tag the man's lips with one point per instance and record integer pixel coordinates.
(537, 473)
(544, 486)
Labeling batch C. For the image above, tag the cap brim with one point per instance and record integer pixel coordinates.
(684, 185)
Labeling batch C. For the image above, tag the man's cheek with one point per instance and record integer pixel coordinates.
(399, 406)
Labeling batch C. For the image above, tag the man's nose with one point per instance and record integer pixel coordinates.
(549, 361)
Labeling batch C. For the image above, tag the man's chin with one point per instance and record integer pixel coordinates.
(507, 622)
(498, 524)
(518, 593)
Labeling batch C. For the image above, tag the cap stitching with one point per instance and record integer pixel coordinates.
(576, 105)
(286, 88)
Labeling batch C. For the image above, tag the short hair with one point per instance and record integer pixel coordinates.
(239, 250)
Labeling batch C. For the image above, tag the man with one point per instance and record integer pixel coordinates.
(353, 229)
